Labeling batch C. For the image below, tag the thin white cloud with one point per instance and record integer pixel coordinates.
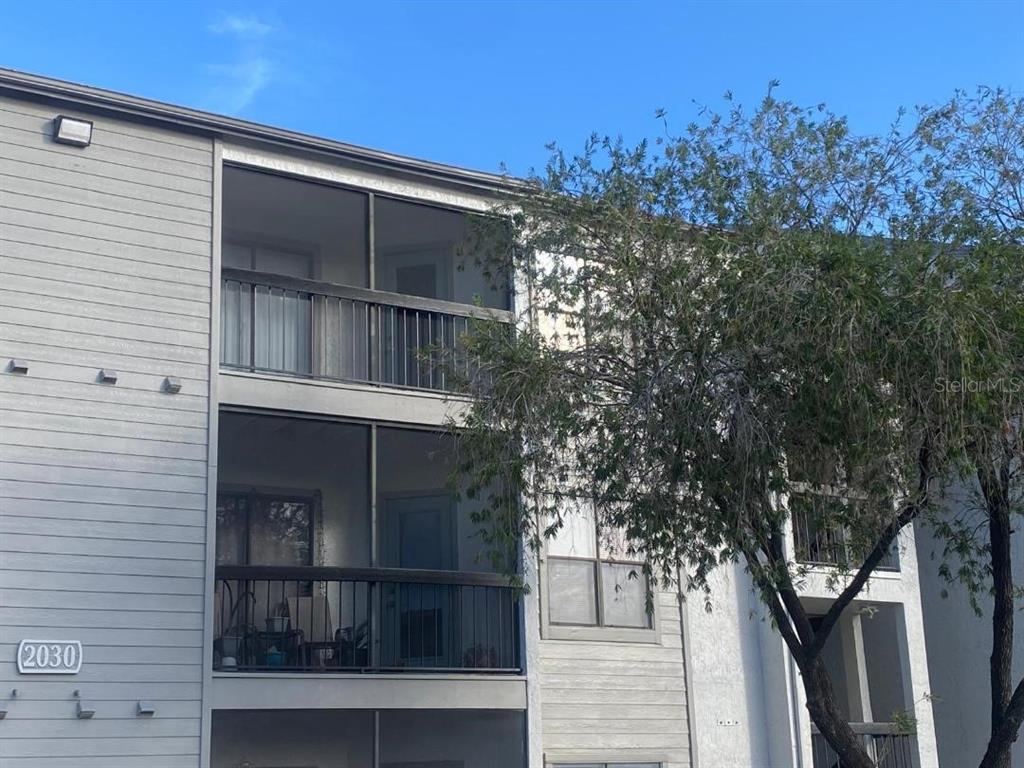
(249, 67)
(239, 83)
(241, 26)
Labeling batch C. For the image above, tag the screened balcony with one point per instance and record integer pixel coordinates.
(362, 738)
(329, 283)
(340, 548)
(867, 661)
(818, 541)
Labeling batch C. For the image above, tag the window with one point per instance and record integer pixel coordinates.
(264, 529)
(592, 581)
(605, 765)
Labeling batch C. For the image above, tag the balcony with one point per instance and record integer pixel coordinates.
(481, 737)
(816, 542)
(329, 283)
(364, 620)
(295, 327)
(867, 659)
(883, 742)
(342, 549)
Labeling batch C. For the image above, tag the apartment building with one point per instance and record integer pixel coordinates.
(226, 533)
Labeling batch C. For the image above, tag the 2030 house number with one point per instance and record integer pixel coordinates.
(49, 657)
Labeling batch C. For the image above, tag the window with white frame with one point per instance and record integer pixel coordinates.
(605, 765)
(592, 579)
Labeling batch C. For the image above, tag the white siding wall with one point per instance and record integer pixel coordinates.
(616, 701)
(104, 263)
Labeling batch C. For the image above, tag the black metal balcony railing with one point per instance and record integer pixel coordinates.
(277, 324)
(817, 543)
(886, 747)
(363, 620)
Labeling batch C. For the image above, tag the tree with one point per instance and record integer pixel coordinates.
(723, 324)
(973, 161)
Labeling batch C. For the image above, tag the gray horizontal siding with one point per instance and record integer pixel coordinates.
(125, 565)
(113, 132)
(104, 263)
(116, 202)
(102, 162)
(108, 761)
(117, 710)
(49, 261)
(139, 448)
(169, 355)
(616, 701)
(55, 237)
(22, 523)
(102, 582)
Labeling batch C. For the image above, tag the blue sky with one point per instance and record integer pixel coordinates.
(481, 84)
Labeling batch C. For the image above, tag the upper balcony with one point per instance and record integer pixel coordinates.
(819, 543)
(328, 283)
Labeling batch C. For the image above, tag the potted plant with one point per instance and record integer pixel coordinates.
(353, 649)
(236, 637)
(277, 622)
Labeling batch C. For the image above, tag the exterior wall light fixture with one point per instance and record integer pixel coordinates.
(83, 711)
(72, 130)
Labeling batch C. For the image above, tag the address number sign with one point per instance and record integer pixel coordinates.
(49, 657)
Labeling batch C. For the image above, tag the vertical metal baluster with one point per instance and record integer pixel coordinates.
(252, 326)
(455, 641)
(419, 356)
(405, 346)
(501, 628)
(465, 352)
(394, 345)
(312, 346)
(406, 650)
(438, 639)
(352, 369)
(422, 627)
(430, 346)
(443, 349)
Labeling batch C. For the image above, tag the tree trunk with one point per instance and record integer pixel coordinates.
(998, 752)
(1000, 662)
(995, 486)
(825, 713)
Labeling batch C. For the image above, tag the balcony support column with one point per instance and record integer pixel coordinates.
(855, 668)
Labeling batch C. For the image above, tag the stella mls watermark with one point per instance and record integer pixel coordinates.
(1010, 384)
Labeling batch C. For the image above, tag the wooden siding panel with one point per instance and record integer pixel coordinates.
(111, 201)
(50, 353)
(103, 293)
(14, 146)
(57, 173)
(168, 354)
(86, 582)
(136, 446)
(112, 127)
(180, 534)
(75, 241)
(121, 218)
(168, 280)
(616, 701)
(59, 219)
(105, 262)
